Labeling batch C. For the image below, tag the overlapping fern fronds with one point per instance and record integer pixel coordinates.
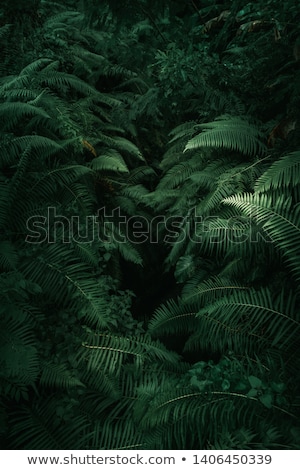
(230, 132)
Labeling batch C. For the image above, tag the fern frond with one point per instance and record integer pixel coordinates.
(63, 176)
(111, 160)
(124, 145)
(20, 94)
(281, 225)
(45, 425)
(136, 192)
(183, 131)
(12, 149)
(13, 112)
(210, 290)
(65, 81)
(121, 434)
(230, 132)
(58, 375)
(247, 320)
(36, 66)
(69, 282)
(175, 176)
(177, 418)
(283, 173)
(8, 256)
(109, 353)
(129, 252)
(173, 318)
(88, 253)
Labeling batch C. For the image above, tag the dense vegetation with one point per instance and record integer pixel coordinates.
(180, 327)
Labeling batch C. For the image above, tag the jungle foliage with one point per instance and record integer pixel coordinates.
(138, 110)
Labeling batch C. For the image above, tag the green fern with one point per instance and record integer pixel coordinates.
(280, 223)
(283, 173)
(229, 132)
(58, 375)
(8, 256)
(47, 425)
(111, 160)
(109, 353)
(14, 112)
(69, 282)
(12, 148)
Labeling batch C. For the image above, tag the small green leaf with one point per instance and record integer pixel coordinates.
(225, 385)
(107, 256)
(255, 382)
(266, 400)
(185, 267)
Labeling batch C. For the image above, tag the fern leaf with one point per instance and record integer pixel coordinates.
(36, 66)
(233, 133)
(8, 256)
(13, 148)
(60, 80)
(57, 375)
(183, 131)
(284, 173)
(173, 318)
(108, 353)
(110, 161)
(281, 226)
(14, 112)
(176, 176)
(247, 320)
(45, 425)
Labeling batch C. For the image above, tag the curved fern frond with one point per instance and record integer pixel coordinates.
(58, 375)
(65, 81)
(109, 353)
(44, 426)
(40, 145)
(248, 321)
(8, 256)
(177, 417)
(139, 174)
(36, 66)
(183, 131)
(176, 176)
(209, 290)
(70, 282)
(230, 132)
(49, 182)
(181, 316)
(111, 160)
(281, 224)
(283, 173)
(173, 318)
(136, 192)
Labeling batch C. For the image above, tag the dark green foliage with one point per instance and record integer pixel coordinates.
(185, 114)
